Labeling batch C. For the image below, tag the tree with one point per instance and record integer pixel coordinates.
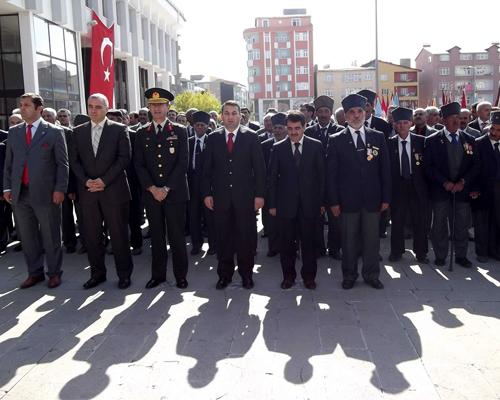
(203, 101)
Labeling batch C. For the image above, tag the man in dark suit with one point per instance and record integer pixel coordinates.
(198, 211)
(486, 193)
(273, 222)
(309, 112)
(465, 119)
(359, 188)
(297, 196)
(432, 116)
(483, 116)
(322, 131)
(99, 154)
(420, 126)
(234, 186)
(161, 162)
(35, 181)
(268, 131)
(4, 231)
(3, 135)
(245, 120)
(409, 186)
(451, 165)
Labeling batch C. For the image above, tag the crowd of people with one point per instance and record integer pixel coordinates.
(431, 173)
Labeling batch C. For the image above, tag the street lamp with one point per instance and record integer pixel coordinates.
(473, 82)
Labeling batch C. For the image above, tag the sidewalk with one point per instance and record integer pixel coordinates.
(430, 334)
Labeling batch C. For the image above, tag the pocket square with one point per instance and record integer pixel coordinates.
(45, 145)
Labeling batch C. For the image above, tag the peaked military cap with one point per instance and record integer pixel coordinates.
(201, 116)
(353, 100)
(402, 113)
(279, 119)
(495, 118)
(453, 108)
(323, 101)
(158, 96)
(369, 94)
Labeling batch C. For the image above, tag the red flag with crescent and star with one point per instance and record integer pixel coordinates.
(102, 70)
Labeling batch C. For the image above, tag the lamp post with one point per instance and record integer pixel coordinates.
(473, 67)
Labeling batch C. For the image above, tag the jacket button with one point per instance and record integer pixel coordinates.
(159, 155)
(230, 172)
(159, 145)
(159, 165)
(230, 160)
(230, 185)
(161, 175)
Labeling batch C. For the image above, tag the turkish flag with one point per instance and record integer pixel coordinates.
(102, 71)
(464, 99)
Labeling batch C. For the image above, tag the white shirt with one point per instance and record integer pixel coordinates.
(155, 125)
(448, 135)
(408, 151)
(202, 140)
(493, 143)
(301, 141)
(369, 120)
(34, 127)
(355, 135)
(101, 124)
(228, 132)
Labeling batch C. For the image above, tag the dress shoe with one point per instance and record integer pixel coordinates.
(70, 249)
(380, 258)
(137, 251)
(18, 248)
(194, 252)
(93, 282)
(154, 282)
(376, 284)
(82, 250)
(471, 237)
(335, 254)
(182, 283)
(247, 283)
(422, 258)
(347, 284)
(382, 235)
(463, 261)
(211, 251)
(286, 284)
(271, 253)
(394, 257)
(482, 259)
(109, 252)
(54, 281)
(440, 262)
(222, 283)
(32, 281)
(310, 284)
(147, 235)
(124, 283)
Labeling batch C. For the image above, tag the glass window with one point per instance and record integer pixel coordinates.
(404, 77)
(368, 76)
(13, 69)
(42, 36)
(44, 72)
(59, 76)
(329, 92)
(465, 56)
(482, 56)
(404, 91)
(384, 77)
(72, 78)
(328, 78)
(385, 92)
(444, 71)
(265, 23)
(56, 41)
(11, 39)
(268, 71)
(70, 46)
(444, 85)
(295, 21)
(444, 57)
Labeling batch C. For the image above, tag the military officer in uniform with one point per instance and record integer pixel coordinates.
(161, 163)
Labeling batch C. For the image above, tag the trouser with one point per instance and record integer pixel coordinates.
(487, 227)
(274, 233)
(134, 218)
(198, 213)
(68, 223)
(4, 231)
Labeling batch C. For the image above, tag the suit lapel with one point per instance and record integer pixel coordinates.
(350, 143)
(21, 134)
(106, 132)
(40, 132)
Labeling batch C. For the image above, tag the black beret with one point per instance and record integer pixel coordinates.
(453, 108)
(80, 119)
(201, 116)
(279, 119)
(353, 100)
(369, 94)
(116, 113)
(402, 113)
(323, 101)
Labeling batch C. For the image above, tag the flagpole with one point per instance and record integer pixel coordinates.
(376, 46)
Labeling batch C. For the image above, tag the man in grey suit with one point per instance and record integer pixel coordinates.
(35, 180)
(465, 119)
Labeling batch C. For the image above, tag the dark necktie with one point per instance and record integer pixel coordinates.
(360, 146)
(159, 130)
(197, 158)
(230, 141)
(405, 162)
(420, 131)
(28, 141)
(454, 140)
(483, 125)
(497, 156)
(323, 132)
(366, 123)
(296, 154)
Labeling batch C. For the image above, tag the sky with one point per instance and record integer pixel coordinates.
(212, 42)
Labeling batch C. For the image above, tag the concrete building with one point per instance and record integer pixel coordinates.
(280, 61)
(46, 49)
(454, 69)
(400, 79)
(226, 90)
(339, 83)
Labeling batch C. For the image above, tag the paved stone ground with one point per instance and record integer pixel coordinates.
(430, 334)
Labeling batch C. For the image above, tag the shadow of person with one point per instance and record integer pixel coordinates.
(224, 328)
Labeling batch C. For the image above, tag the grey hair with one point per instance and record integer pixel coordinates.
(465, 110)
(99, 96)
(339, 110)
(64, 110)
(482, 104)
(429, 110)
(50, 110)
(418, 109)
(15, 116)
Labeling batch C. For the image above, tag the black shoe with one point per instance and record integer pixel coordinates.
(286, 284)
(347, 284)
(271, 253)
(471, 237)
(222, 283)
(211, 252)
(182, 283)
(137, 251)
(380, 258)
(124, 283)
(335, 254)
(154, 282)
(463, 262)
(482, 259)
(422, 258)
(93, 282)
(440, 262)
(195, 252)
(247, 283)
(394, 257)
(70, 250)
(82, 250)
(376, 284)
(18, 248)
(310, 284)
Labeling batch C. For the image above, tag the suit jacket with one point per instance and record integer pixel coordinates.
(163, 160)
(290, 187)
(314, 132)
(2, 162)
(3, 135)
(485, 181)
(473, 132)
(381, 125)
(192, 142)
(417, 170)
(47, 159)
(475, 125)
(235, 178)
(263, 136)
(133, 179)
(267, 149)
(113, 156)
(253, 126)
(427, 130)
(436, 166)
(355, 184)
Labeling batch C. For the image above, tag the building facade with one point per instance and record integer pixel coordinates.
(280, 62)
(454, 70)
(225, 90)
(46, 47)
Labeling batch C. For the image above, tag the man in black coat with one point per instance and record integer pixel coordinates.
(4, 232)
(268, 131)
(420, 126)
(234, 187)
(483, 116)
(161, 163)
(409, 186)
(486, 193)
(297, 196)
(99, 153)
(198, 211)
(359, 188)
(322, 131)
(451, 165)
